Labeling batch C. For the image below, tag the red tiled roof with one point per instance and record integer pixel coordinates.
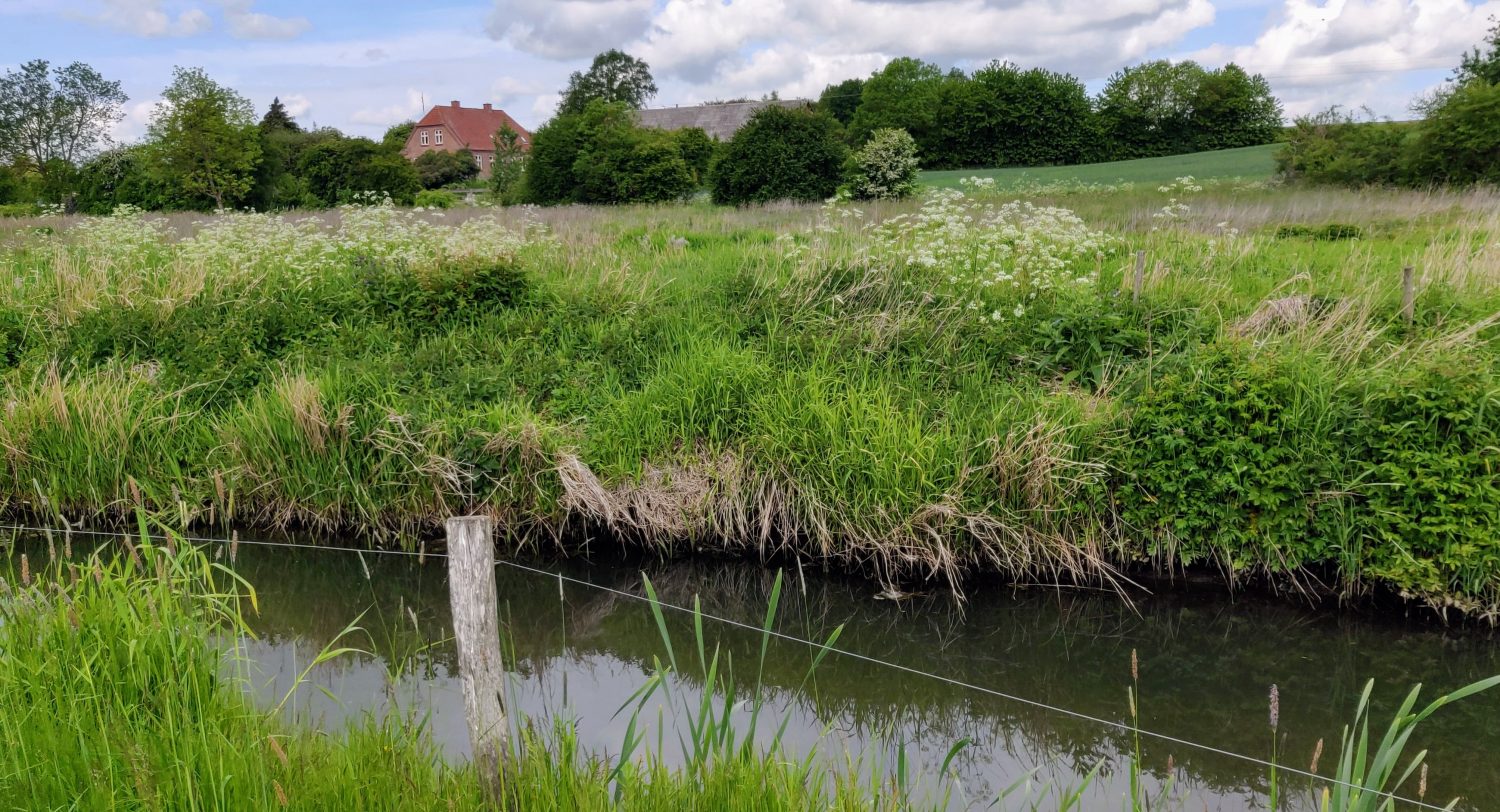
(471, 125)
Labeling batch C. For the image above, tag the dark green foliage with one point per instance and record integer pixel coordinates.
(1147, 110)
(1428, 449)
(1221, 464)
(902, 95)
(13, 186)
(60, 114)
(1233, 109)
(602, 156)
(1330, 233)
(508, 168)
(697, 149)
(396, 135)
(1483, 63)
(1333, 147)
(842, 99)
(204, 142)
(438, 168)
(123, 176)
(335, 170)
(1459, 141)
(1036, 117)
(277, 118)
(615, 77)
(780, 154)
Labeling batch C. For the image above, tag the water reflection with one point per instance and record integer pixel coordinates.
(1206, 664)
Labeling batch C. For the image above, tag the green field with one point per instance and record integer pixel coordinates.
(1247, 163)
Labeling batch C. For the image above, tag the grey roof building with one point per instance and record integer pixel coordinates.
(720, 121)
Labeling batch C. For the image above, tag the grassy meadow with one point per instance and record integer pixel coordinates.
(1245, 163)
(919, 391)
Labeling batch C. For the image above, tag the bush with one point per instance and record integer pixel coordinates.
(19, 210)
(439, 168)
(885, 168)
(1335, 147)
(435, 199)
(780, 154)
(697, 148)
(602, 156)
(336, 170)
(1459, 142)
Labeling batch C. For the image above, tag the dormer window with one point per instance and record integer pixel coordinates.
(423, 135)
(438, 137)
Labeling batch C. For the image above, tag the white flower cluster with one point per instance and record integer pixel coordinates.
(1006, 254)
(1031, 187)
(303, 246)
(1176, 210)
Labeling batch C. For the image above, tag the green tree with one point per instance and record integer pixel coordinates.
(396, 135)
(1147, 110)
(780, 154)
(1480, 64)
(121, 176)
(697, 148)
(554, 149)
(59, 115)
(1041, 118)
(885, 168)
(509, 168)
(1459, 141)
(903, 95)
(438, 168)
(614, 76)
(335, 170)
(204, 139)
(842, 100)
(970, 131)
(1231, 108)
(277, 118)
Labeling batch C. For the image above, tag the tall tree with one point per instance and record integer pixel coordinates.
(1147, 110)
(59, 116)
(842, 99)
(902, 95)
(204, 139)
(615, 76)
(277, 118)
(395, 136)
(1483, 65)
(1231, 108)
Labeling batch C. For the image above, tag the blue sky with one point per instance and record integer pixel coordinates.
(361, 66)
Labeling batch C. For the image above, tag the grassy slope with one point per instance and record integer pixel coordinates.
(725, 396)
(1248, 163)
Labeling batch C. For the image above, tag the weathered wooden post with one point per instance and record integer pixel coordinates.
(476, 628)
(1408, 295)
(1140, 276)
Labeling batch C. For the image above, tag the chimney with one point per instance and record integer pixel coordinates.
(454, 102)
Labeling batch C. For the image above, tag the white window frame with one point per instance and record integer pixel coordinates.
(479, 159)
(423, 135)
(437, 137)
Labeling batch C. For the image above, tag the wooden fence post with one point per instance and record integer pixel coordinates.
(476, 628)
(1140, 276)
(1408, 295)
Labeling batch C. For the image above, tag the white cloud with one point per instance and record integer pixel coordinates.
(1349, 51)
(562, 29)
(132, 125)
(297, 105)
(147, 18)
(245, 23)
(409, 108)
(544, 106)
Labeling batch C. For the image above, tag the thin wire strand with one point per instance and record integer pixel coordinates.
(957, 683)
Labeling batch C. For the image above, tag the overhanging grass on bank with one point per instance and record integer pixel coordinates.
(781, 382)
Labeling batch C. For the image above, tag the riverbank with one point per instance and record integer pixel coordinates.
(899, 389)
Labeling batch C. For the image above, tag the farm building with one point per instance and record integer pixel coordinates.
(454, 127)
(720, 121)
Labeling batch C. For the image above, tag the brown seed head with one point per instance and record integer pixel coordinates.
(1275, 707)
(1422, 784)
(1135, 670)
(25, 571)
(280, 794)
(1317, 754)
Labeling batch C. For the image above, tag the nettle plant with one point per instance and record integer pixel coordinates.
(996, 258)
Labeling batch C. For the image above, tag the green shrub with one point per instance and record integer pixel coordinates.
(18, 210)
(697, 148)
(1459, 142)
(1332, 232)
(1226, 458)
(885, 168)
(601, 156)
(1334, 147)
(435, 199)
(1428, 447)
(438, 168)
(780, 154)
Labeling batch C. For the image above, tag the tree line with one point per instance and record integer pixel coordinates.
(1004, 115)
(1456, 142)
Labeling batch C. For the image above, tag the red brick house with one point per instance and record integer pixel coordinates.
(453, 128)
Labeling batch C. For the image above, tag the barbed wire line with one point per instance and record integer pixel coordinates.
(790, 638)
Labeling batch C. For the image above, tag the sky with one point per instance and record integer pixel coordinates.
(364, 65)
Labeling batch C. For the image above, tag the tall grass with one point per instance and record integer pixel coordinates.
(784, 385)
